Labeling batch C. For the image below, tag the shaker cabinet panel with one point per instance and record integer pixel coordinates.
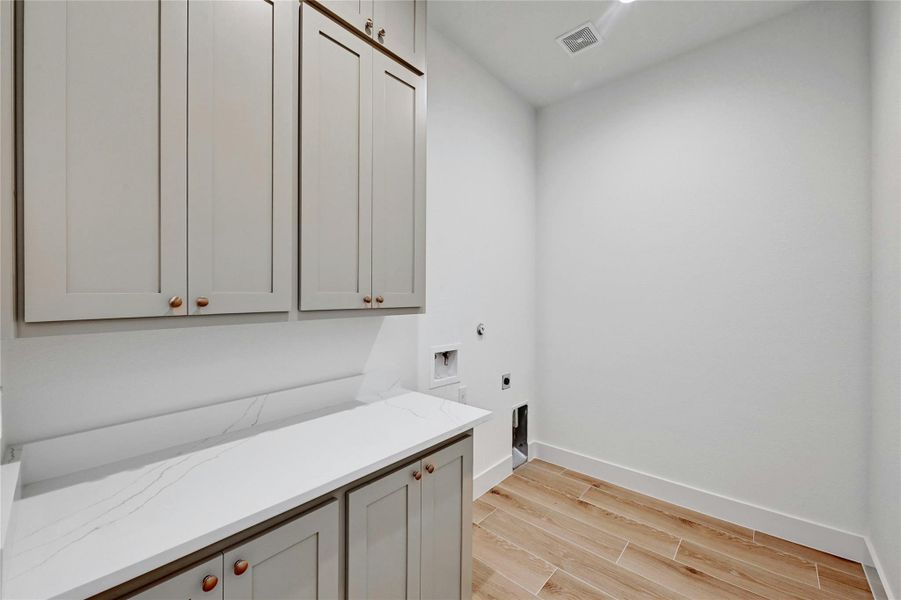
(190, 584)
(158, 157)
(362, 221)
(295, 561)
(383, 537)
(446, 514)
(398, 200)
(104, 138)
(336, 166)
(400, 26)
(357, 13)
(240, 155)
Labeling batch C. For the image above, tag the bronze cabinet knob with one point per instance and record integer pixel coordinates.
(379, 299)
(417, 475)
(367, 299)
(369, 25)
(175, 301)
(430, 468)
(241, 566)
(209, 583)
(382, 32)
(203, 301)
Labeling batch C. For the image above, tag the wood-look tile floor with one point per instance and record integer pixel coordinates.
(547, 532)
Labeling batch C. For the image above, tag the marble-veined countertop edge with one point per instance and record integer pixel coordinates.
(96, 533)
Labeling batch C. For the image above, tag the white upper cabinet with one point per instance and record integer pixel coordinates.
(398, 198)
(161, 165)
(105, 91)
(336, 166)
(240, 155)
(357, 13)
(362, 214)
(158, 157)
(400, 26)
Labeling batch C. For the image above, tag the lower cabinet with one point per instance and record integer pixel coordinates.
(384, 529)
(201, 581)
(407, 537)
(295, 561)
(408, 533)
(446, 554)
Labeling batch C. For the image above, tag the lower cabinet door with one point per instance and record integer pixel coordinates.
(201, 582)
(446, 516)
(383, 537)
(296, 561)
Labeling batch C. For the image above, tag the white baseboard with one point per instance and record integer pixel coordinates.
(796, 529)
(491, 476)
(890, 594)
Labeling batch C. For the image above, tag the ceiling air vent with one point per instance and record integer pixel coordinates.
(580, 38)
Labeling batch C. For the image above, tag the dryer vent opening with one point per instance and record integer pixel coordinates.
(520, 435)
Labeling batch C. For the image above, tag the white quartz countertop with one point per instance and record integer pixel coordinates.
(103, 527)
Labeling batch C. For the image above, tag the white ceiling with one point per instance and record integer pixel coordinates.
(516, 39)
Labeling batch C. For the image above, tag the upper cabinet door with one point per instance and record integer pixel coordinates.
(398, 199)
(240, 155)
(104, 138)
(357, 13)
(335, 165)
(446, 515)
(295, 561)
(400, 26)
(383, 537)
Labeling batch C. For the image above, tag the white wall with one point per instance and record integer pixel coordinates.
(885, 441)
(60, 384)
(481, 264)
(481, 238)
(703, 255)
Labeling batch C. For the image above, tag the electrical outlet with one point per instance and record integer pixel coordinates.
(461, 394)
(505, 381)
